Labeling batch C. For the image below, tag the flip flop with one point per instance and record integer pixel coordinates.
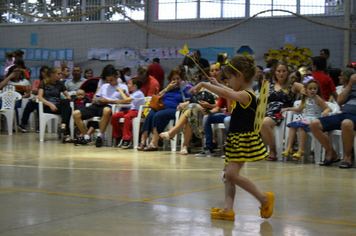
(183, 152)
(165, 136)
(345, 165)
(271, 159)
(327, 162)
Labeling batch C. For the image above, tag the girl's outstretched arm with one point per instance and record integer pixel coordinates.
(237, 96)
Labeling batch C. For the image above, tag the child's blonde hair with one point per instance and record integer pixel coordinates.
(306, 87)
(244, 64)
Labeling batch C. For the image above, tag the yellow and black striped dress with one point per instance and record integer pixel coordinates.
(243, 144)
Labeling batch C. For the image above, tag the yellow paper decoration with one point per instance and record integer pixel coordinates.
(261, 107)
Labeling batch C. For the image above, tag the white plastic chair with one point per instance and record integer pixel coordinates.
(136, 123)
(45, 119)
(8, 109)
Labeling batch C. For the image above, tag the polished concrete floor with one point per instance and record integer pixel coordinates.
(50, 188)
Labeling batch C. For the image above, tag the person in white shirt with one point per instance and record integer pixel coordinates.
(105, 97)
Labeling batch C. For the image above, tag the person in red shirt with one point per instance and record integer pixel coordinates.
(149, 82)
(157, 72)
(326, 83)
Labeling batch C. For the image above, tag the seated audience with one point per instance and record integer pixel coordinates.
(149, 82)
(156, 121)
(192, 116)
(105, 98)
(282, 94)
(73, 84)
(345, 121)
(327, 85)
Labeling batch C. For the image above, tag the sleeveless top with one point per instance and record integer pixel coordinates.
(243, 117)
(311, 110)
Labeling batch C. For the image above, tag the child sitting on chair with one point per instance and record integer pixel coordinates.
(80, 99)
(314, 107)
(137, 98)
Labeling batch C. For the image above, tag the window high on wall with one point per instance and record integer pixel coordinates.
(213, 9)
(69, 8)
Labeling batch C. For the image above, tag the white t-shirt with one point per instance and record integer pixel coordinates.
(109, 92)
(138, 99)
(23, 82)
(101, 82)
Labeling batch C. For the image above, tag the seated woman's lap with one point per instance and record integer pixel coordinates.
(333, 122)
(158, 119)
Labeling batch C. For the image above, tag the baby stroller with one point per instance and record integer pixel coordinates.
(89, 86)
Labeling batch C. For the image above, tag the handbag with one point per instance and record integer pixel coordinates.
(202, 96)
(156, 102)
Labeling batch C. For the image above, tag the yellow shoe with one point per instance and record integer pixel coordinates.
(266, 210)
(229, 215)
(287, 152)
(297, 156)
(215, 209)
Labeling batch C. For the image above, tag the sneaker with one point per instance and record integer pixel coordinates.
(22, 128)
(99, 141)
(206, 153)
(126, 144)
(119, 142)
(81, 142)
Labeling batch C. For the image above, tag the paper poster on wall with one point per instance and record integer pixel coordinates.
(24, 56)
(45, 54)
(70, 54)
(33, 39)
(52, 55)
(61, 54)
(33, 72)
(130, 54)
(290, 38)
(2, 68)
(30, 54)
(38, 54)
(68, 64)
(2, 54)
(120, 58)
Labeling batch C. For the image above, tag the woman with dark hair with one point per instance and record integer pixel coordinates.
(157, 121)
(22, 86)
(32, 104)
(88, 73)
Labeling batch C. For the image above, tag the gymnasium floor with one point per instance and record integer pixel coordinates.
(50, 188)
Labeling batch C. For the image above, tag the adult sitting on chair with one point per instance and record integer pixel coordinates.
(32, 104)
(49, 93)
(157, 121)
(15, 77)
(346, 122)
(105, 98)
(282, 94)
